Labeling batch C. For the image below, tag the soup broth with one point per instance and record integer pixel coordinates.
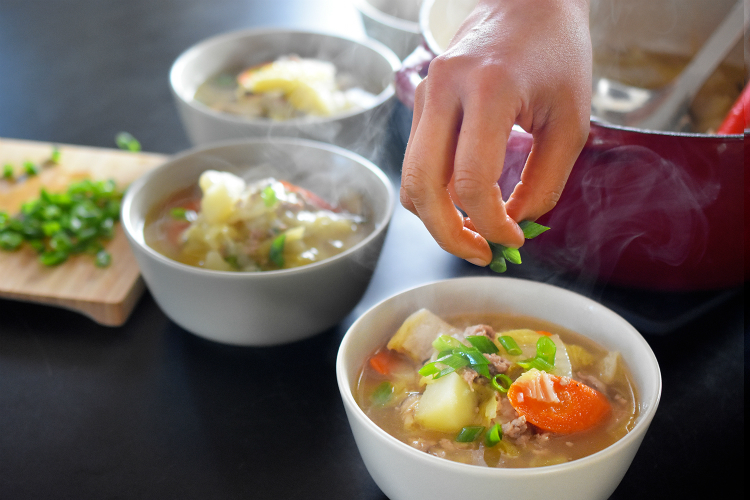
(226, 225)
(285, 89)
(392, 392)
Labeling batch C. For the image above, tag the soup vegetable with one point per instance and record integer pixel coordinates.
(266, 225)
(497, 390)
(290, 87)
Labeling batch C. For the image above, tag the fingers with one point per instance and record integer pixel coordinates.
(479, 163)
(427, 170)
(554, 151)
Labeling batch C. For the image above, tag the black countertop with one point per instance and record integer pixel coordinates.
(148, 410)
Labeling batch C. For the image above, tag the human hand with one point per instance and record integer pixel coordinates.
(512, 61)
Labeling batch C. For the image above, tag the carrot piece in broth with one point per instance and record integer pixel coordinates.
(384, 361)
(557, 404)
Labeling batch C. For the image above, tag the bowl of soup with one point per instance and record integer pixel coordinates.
(287, 83)
(494, 387)
(260, 241)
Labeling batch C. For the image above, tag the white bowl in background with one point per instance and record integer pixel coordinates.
(395, 23)
(269, 307)
(403, 472)
(370, 64)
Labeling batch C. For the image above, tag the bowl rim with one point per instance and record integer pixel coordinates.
(173, 162)
(389, 20)
(641, 426)
(179, 64)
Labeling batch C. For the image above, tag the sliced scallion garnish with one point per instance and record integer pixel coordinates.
(268, 195)
(382, 393)
(469, 433)
(493, 436)
(502, 254)
(510, 345)
(545, 356)
(482, 343)
(126, 141)
(501, 382)
(276, 254)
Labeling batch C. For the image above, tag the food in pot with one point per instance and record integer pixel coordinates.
(230, 225)
(652, 70)
(290, 87)
(497, 390)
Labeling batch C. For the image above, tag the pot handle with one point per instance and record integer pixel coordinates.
(413, 70)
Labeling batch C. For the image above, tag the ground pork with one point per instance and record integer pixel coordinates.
(485, 330)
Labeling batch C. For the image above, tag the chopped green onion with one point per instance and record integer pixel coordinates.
(232, 261)
(53, 258)
(493, 436)
(268, 195)
(276, 254)
(31, 168)
(178, 213)
(382, 393)
(10, 240)
(445, 343)
(510, 345)
(472, 354)
(502, 254)
(126, 141)
(546, 349)
(469, 433)
(501, 382)
(103, 258)
(545, 356)
(512, 255)
(55, 156)
(8, 171)
(498, 263)
(531, 229)
(482, 343)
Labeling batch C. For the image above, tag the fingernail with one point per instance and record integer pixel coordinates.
(477, 262)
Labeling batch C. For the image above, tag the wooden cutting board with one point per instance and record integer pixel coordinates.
(105, 295)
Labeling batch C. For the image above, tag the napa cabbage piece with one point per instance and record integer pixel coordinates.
(417, 333)
(610, 367)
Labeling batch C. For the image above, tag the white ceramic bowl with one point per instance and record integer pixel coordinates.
(392, 22)
(403, 472)
(371, 64)
(270, 307)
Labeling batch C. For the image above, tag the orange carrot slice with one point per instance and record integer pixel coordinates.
(557, 404)
(384, 362)
(309, 196)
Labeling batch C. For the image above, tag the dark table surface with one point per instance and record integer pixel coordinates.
(148, 410)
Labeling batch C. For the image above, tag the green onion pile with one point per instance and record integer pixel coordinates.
(58, 225)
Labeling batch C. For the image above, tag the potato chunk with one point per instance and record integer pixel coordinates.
(221, 190)
(447, 404)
